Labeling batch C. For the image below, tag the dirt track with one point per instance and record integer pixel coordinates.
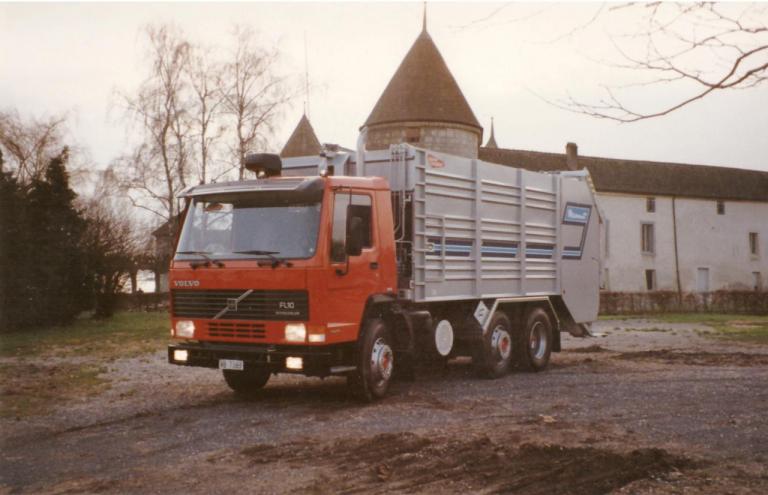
(635, 411)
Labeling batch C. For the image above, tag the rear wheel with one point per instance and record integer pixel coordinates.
(246, 382)
(376, 362)
(493, 357)
(534, 342)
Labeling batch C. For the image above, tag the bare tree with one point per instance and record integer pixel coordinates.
(253, 94)
(204, 75)
(28, 145)
(159, 166)
(112, 249)
(702, 47)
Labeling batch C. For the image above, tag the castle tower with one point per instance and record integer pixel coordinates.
(303, 140)
(424, 106)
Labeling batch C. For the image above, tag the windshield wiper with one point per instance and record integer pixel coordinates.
(204, 254)
(275, 260)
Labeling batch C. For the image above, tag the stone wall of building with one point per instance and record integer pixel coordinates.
(713, 249)
(454, 139)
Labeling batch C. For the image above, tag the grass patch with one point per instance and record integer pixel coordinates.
(621, 317)
(34, 389)
(126, 334)
(745, 328)
(652, 329)
(45, 367)
(746, 331)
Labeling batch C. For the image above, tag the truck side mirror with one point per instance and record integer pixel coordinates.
(354, 236)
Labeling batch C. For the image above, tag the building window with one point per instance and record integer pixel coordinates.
(412, 135)
(650, 205)
(647, 241)
(702, 279)
(754, 247)
(650, 279)
(757, 280)
(720, 207)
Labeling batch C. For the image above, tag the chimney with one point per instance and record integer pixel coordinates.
(572, 156)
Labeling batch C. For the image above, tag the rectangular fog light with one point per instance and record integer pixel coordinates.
(294, 363)
(316, 337)
(180, 355)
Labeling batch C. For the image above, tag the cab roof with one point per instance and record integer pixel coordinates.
(284, 184)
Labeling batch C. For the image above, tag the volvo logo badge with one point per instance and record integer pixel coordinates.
(186, 283)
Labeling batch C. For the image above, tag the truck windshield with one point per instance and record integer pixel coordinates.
(246, 229)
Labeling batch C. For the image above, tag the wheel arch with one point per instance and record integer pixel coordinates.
(398, 321)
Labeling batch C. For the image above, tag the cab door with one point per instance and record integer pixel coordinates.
(353, 277)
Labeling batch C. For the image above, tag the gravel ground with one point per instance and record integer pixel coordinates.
(645, 407)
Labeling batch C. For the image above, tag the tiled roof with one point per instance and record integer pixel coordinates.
(303, 141)
(423, 89)
(491, 144)
(645, 177)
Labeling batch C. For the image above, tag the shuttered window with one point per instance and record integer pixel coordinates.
(648, 241)
(754, 248)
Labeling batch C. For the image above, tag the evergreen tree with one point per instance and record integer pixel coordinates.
(51, 264)
(12, 235)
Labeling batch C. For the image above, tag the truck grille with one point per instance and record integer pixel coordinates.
(262, 305)
(236, 330)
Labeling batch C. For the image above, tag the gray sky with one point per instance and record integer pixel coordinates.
(72, 57)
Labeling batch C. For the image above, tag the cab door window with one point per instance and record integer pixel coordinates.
(345, 207)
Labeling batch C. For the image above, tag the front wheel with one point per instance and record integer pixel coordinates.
(376, 362)
(246, 382)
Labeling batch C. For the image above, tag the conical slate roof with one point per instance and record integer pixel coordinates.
(423, 89)
(303, 141)
(491, 140)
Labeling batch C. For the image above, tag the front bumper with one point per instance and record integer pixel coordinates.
(317, 361)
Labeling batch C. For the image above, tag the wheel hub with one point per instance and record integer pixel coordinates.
(501, 342)
(538, 341)
(382, 360)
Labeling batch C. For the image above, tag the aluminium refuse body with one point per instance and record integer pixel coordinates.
(470, 229)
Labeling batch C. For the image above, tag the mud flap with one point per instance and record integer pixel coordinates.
(581, 330)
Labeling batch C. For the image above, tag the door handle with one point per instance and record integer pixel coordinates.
(374, 265)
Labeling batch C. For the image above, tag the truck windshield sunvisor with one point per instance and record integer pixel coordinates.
(248, 225)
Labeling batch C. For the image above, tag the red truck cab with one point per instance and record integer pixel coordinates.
(276, 274)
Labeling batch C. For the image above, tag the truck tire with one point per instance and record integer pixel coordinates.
(493, 356)
(534, 341)
(247, 382)
(375, 364)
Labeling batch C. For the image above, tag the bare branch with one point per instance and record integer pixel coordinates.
(691, 34)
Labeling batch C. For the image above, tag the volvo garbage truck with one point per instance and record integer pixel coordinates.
(367, 264)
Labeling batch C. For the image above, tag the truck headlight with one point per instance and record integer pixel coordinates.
(185, 329)
(295, 332)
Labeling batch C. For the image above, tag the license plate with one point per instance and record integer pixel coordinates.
(230, 364)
